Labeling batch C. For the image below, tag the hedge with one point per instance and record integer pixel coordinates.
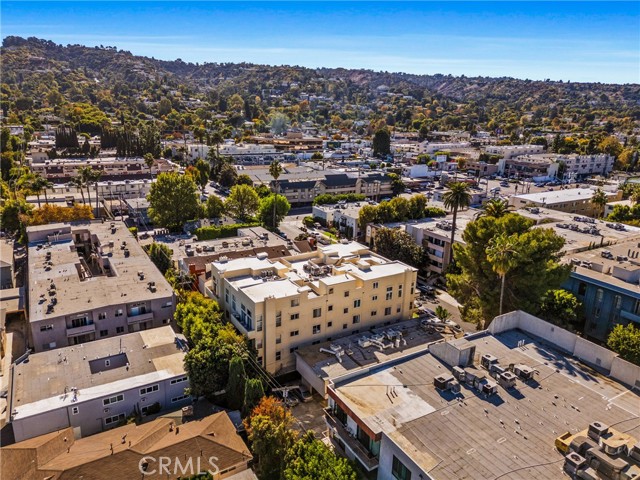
(222, 231)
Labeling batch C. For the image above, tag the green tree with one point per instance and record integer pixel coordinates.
(228, 175)
(599, 200)
(235, 387)
(381, 143)
(39, 185)
(262, 190)
(203, 169)
(173, 200)
(244, 179)
(396, 244)
(160, 255)
(611, 146)
(275, 170)
(477, 286)
(417, 206)
(253, 393)
(560, 307)
(273, 209)
(456, 198)
(502, 254)
(442, 313)
(625, 341)
(397, 185)
(149, 161)
(496, 207)
(243, 202)
(310, 459)
(270, 434)
(368, 214)
(278, 123)
(214, 207)
(401, 208)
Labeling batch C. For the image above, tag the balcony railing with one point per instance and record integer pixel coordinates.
(82, 330)
(367, 459)
(140, 317)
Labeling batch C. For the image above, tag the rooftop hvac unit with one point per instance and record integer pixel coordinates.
(488, 387)
(523, 371)
(487, 360)
(458, 373)
(441, 382)
(507, 380)
(596, 430)
(574, 462)
(496, 370)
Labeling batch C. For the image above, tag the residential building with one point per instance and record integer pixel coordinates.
(90, 280)
(114, 168)
(494, 404)
(581, 166)
(6, 264)
(481, 169)
(570, 200)
(97, 386)
(512, 151)
(606, 281)
(190, 445)
(281, 305)
(608, 209)
(529, 166)
(344, 217)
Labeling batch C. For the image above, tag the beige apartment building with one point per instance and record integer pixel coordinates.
(306, 299)
(91, 280)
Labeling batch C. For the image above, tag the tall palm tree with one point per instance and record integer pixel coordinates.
(456, 198)
(599, 199)
(275, 170)
(496, 208)
(78, 182)
(502, 253)
(39, 185)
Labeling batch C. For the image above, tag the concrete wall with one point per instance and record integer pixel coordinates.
(586, 351)
(389, 449)
(310, 377)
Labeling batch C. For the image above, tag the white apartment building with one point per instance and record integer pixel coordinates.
(580, 166)
(344, 217)
(283, 304)
(512, 151)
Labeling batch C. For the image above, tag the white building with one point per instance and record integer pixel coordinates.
(344, 217)
(512, 151)
(97, 386)
(304, 299)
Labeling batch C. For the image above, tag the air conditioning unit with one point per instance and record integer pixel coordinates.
(106, 410)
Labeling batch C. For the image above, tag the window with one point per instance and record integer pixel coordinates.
(165, 321)
(389, 295)
(178, 399)
(75, 410)
(398, 309)
(344, 326)
(356, 303)
(374, 298)
(179, 380)
(317, 312)
(399, 290)
(295, 333)
(374, 313)
(617, 302)
(278, 319)
(375, 284)
(399, 471)
(278, 355)
(387, 311)
(119, 312)
(102, 315)
(114, 419)
(44, 328)
(151, 389)
(104, 333)
(330, 290)
(599, 295)
(295, 302)
(329, 324)
(48, 346)
(582, 288)
(278, 339)
(356, 319)
(316, 329)
(112, 400)
(330, 308)
(346, 310)
(389, 289)
(119, 329)
(167, 305)
(294, 316)
(346, 294)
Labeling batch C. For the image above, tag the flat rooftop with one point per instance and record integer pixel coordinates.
(616, 265)
(507, 435)
(46, 380)
(73, 267)
(558, 196)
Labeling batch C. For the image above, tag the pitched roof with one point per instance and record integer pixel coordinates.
(339, 180)
(117, 453)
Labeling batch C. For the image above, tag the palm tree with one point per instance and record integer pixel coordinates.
(599, 199)
(502, 253)
(78, 182)
(495, 208)
(275, 170)
(38, 185)
(149, 161)
(457, 197)
(442, 313)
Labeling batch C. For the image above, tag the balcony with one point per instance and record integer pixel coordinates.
(369, 461)
(82, 330)
(140, 317)
(243, 325)
(630, 316)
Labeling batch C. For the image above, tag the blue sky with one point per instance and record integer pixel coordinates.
(577, 41)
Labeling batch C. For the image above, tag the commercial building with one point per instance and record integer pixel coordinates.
(281, 305)
(90, 280)
(134, 451)
(606, 281)
(490, 405)
(97, 386)
(570, 200)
